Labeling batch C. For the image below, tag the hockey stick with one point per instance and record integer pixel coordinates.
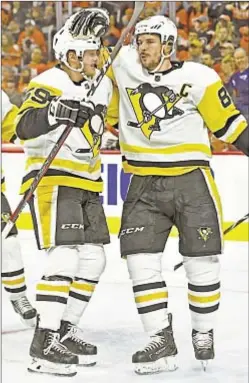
(230, 228)
(139, 5)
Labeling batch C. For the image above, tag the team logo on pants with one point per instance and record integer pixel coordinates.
(152, 105)
(5, 217)
(205, 233)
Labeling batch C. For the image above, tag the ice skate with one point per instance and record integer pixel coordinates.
(49, 356)
(203, 346)
(27, 313)
(72, 338)
(159, 355)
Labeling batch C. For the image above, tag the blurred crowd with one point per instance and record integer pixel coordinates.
(214, 33)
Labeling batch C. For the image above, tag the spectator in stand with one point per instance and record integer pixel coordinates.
(195, 51)
(226, 50)
(196, 9)
(215, 10)
(49, 16)
(14, 96)
(11, 55)
(221, 37)
(239, 82)
(37, 14)
(244, 39)
(6, 13)
(207, 59)
(204, 33)
(25, 77)
(20, 11)
(31, 36)
(224, 21)
(239, 13)
(181, 16)
(227, 70)
(8, 74)
(14, 29)
(37, 62)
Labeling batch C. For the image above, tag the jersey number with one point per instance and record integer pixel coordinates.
(40, 96)
(224, 97)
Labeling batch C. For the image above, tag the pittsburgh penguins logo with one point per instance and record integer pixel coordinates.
(94, 129)
(152, 105)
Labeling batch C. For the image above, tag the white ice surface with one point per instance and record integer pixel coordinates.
(112, 323)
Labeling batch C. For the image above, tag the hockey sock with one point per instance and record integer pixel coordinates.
(150, 290)
(203, 291)
(80, 293)
(51, 299)
(13, 277)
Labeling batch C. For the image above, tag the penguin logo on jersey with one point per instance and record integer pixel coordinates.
(152, 105)
(94, 128)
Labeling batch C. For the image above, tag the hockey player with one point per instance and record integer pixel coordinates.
(166, 109)
(67, 214)
(13, 275)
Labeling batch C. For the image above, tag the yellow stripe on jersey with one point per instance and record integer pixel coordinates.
(183, 148)
(154, 171)
(70, 181)
(240, 129)
(216, 107)
(65, 164)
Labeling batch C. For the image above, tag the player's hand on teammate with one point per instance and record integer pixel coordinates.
(63, 111)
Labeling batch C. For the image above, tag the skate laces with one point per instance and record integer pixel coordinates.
(76, 334)
(22, 305)
(202, 340)
(157, 341)
(54, 343)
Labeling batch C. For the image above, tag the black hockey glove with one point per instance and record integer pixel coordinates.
(91, 21)
(63, 111)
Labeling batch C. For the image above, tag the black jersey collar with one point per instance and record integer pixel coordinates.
(175, 65)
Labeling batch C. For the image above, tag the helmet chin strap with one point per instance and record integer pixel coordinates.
(80, 70)
(163, 57)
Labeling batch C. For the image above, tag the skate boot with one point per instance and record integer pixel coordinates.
(25, 310)
(49, 356)
(72, 338)
(159, 355)
(203, 346)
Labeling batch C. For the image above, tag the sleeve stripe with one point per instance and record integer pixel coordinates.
(236, 127)
(223, 130)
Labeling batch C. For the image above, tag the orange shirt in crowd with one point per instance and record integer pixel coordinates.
(182, 18)
(37, 37)
(38, 68)
(12, 56)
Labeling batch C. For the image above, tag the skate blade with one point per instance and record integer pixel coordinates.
(204, 364)
(163, 364)
(87, 360)
(40, 366)
(29, 322)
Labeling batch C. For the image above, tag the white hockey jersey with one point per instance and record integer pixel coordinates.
(9, 112)
(78, 162)
(163, 117)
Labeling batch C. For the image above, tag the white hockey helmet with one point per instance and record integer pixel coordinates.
(159, 25)
(63, 42)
